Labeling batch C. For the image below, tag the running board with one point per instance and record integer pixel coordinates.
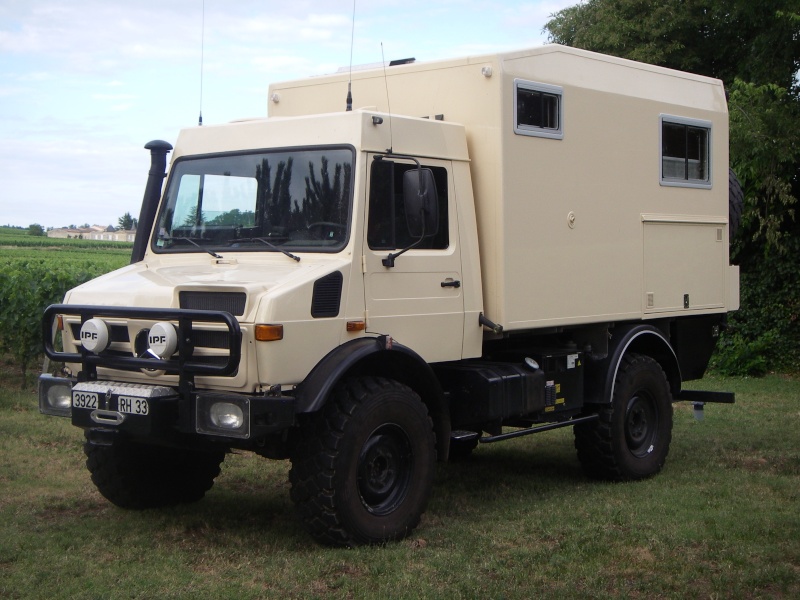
(531, 430)
(707, 397)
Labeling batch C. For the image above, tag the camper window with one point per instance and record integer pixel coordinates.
(538, 109)
(685, 152)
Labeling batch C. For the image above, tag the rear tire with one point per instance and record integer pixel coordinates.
(362, 469)
(139, 476)
(631, 438)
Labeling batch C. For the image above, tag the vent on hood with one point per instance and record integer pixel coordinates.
(231, 302)
(327, 296)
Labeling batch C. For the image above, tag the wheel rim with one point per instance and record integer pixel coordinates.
(385, 465)
(641, 424)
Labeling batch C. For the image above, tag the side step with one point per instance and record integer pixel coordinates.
(707, 397)
(489, 439)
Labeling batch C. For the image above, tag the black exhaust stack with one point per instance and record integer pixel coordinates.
(152, 196)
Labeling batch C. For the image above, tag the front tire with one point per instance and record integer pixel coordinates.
(631, 438)
(363, 468)
(139, 476)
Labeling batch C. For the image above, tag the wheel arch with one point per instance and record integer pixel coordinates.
(640, 339)
(377, 356)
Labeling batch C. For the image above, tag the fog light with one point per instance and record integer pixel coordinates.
(226, 415)
(95, 336)
(55, 396)
(222, 414)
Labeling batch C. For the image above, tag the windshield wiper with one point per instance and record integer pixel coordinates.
(203, 248)
(274, 247)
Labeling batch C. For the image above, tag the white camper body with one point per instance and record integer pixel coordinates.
(576, 225)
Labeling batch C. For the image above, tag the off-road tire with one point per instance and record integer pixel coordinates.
(363, 467)
(139, 476)
(631, 438)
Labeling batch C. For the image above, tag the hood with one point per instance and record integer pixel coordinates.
(158, 285)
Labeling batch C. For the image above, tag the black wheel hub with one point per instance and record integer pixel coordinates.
(384, 469)
(641, 425)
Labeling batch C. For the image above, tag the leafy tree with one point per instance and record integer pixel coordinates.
(274, 198)
(754, 47)
(126, 222)
(234, 217)
(755, 41)
(325, 200)
(35, 229)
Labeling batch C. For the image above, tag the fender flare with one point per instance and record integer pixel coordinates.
(643, 339)
(377, 356)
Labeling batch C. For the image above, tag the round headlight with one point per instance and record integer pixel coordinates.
(59, 396)
(95, 336)
(226, 415)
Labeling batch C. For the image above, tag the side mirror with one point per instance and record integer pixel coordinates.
(421, 203)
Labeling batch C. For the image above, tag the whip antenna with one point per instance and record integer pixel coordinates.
(388, 102)
(202, 56)
(350, 76)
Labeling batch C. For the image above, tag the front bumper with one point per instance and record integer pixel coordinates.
(162, 412)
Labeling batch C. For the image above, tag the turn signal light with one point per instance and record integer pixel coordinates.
(269, 333)
(356, 326)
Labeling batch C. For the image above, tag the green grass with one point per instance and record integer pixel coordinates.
(519, 520)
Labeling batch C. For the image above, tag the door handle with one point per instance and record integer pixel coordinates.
(451, 283)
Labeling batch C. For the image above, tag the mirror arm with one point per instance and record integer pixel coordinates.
(388, 262)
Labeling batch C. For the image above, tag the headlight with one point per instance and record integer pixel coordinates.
(55, 396)
(223, 414)
(226, 415)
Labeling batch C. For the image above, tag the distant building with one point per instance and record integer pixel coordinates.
(95, 232)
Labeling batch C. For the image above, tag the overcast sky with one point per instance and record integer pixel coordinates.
(84, 84)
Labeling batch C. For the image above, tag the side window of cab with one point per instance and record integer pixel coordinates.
(388, 228)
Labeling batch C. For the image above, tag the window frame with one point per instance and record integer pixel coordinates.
(533, 130)
(442, 174)
(688, 122)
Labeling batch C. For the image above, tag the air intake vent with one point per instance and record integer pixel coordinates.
(327, 296)
(231, 302)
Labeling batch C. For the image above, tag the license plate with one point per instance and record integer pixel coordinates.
(132, 406)
(129, 405)
(84, 400)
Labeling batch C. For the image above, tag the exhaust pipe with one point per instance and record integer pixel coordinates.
(152, 196)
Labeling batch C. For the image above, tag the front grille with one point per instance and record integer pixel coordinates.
(232, 302)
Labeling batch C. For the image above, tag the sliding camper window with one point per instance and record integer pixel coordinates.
(538, 109)
(387, 228)
(685, 152)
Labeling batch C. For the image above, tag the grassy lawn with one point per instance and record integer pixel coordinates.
(519, 520)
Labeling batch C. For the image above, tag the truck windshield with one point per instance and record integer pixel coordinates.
(286, 200)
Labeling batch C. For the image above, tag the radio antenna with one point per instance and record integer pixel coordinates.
(388, 102)
(350, 76)
(202, 57)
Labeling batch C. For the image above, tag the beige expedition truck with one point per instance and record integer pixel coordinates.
(489, 247)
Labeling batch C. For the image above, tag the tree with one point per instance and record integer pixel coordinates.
(754, 47)
(126, 222)
(35, 229)
(755, 41)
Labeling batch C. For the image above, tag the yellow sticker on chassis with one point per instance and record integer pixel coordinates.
(132, 405)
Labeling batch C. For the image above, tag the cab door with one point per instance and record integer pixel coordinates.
(419, 301)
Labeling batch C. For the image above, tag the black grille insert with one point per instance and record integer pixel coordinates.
(327, 296)
(231, 302)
